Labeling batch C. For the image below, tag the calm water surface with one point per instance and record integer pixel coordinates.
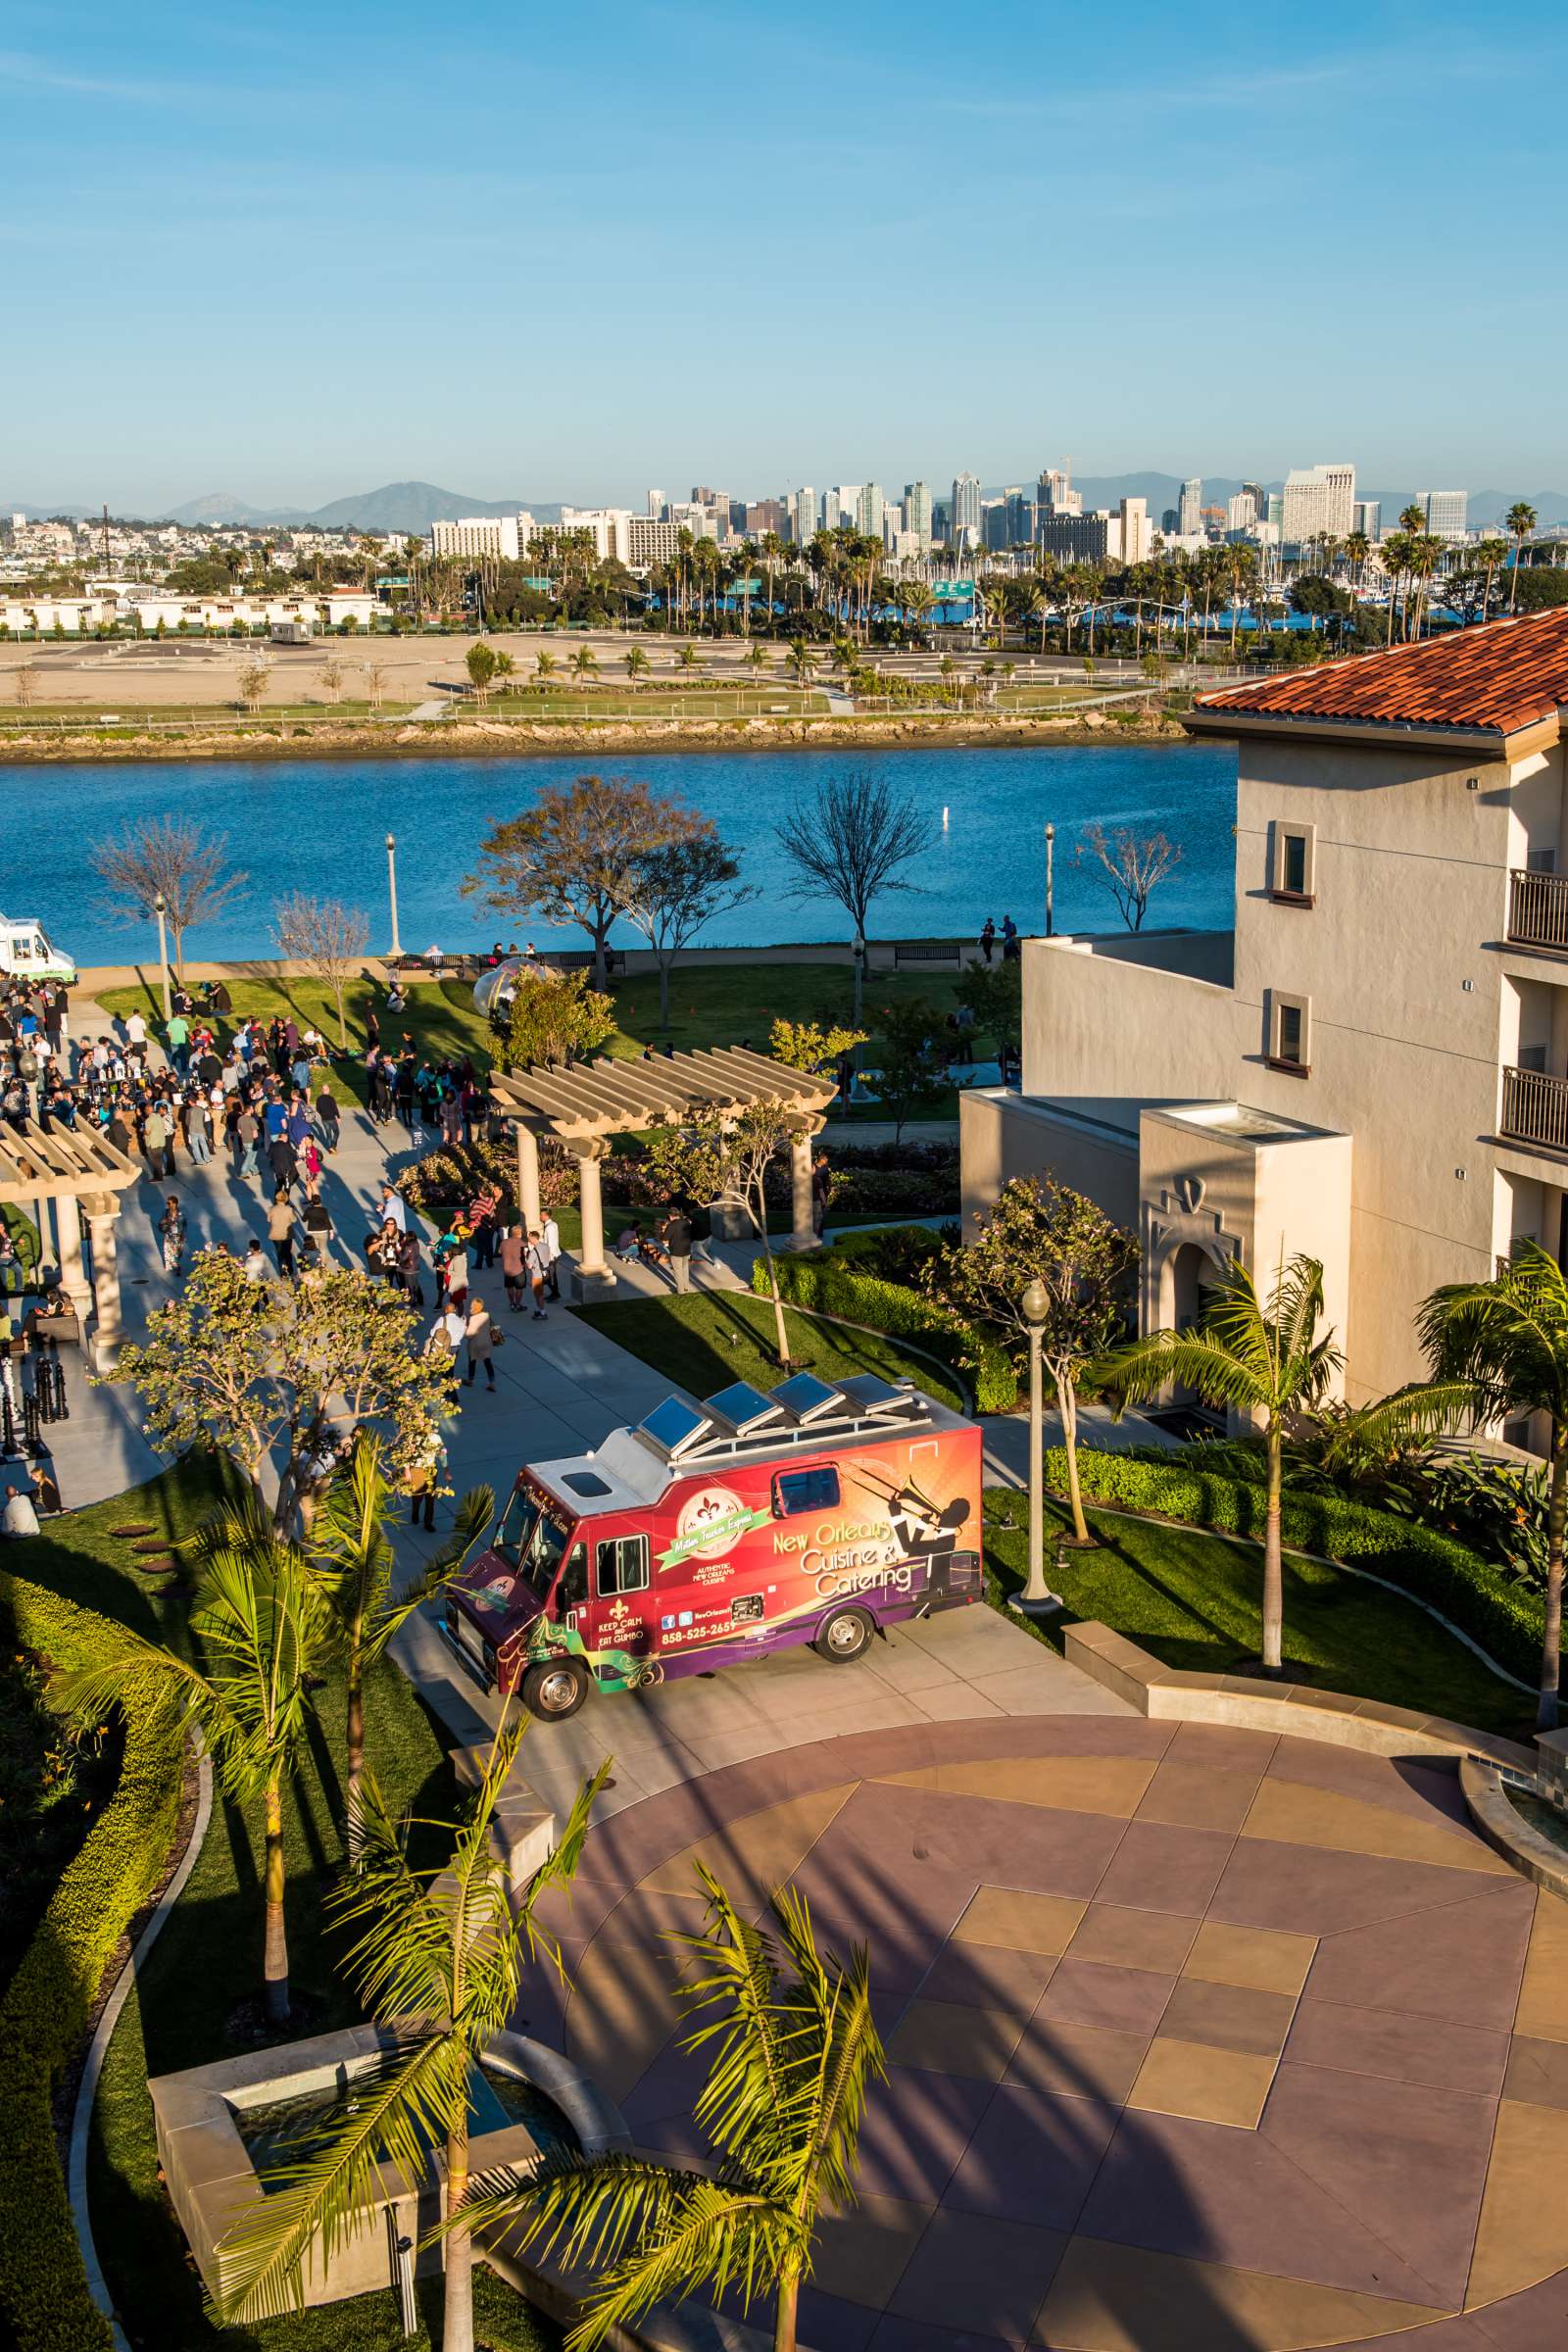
(320, 825)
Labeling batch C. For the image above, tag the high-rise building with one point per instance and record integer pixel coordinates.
(917, 514)
(609, 529)
(966, 509)
(1241, 512)
(1259, 498)
(994, 524)
(1447, 512)
(803, 514)
(1137, 531)
(702, 496)
(832, 510)
(651, 540)
(1077, 538)
(1318, 499)
(868, 511)
(848, 498)
(1022, 515)
(1275, 515)
(1366, 517)
(765, 515)
(1190, 509)
(1054, 493)
(502, 537)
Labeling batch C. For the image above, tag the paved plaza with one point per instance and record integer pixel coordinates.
(1199, 2040)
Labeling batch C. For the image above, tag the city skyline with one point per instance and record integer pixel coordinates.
(1219, 258)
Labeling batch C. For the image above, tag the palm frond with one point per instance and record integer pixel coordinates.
(1418, 1410)
(1194, 1359)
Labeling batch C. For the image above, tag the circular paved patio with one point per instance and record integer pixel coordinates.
(1199, 2040)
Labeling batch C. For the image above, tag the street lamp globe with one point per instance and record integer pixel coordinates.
(1035, 1304)
(391, 841)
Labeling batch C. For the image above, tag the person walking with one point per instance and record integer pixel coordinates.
(172, 1237)
(252, 1265)
(331, 1119)
(538, 1272)
(420, 1486)
(988, 939)
(515, 1265)
(676, 1235)
(317, 1218)
(482, 1338)
(280, 1223)
(550, 1243)
(449, 1333)
(156, 1144)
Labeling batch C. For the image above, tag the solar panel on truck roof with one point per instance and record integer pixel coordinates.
(806, 1397)
(878, 1399)
(672, 1424)
(742, 1406)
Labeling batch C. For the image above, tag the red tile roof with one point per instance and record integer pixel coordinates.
(1502, 676)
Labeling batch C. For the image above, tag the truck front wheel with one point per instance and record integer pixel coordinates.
(844, 1635)
(554, 1688)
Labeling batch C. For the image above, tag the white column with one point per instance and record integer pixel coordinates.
(591, 1259)
(102, 1211)
(68, 1233)
(528, 1207)
(803, 1236)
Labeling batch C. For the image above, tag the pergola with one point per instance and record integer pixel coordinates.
(584, 1106)
(63, 1178)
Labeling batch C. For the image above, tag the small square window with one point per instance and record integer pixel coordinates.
(1292, 876)
(796, 1491)
(1289, 1022)
(622, 1565)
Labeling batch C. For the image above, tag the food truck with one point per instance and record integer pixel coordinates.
(709, 1533)
(25, 954)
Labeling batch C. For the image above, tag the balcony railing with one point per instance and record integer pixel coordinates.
(1538, 909)
(1535, 1109)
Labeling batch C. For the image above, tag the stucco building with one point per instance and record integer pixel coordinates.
(1372, 1064)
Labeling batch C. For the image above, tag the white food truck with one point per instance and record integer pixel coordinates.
(26, 954)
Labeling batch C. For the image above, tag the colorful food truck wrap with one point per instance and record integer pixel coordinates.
(809, 1514)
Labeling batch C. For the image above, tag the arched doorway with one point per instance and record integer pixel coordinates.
(1192, 1269)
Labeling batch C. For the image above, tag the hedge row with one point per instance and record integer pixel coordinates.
(44, 2017)
(1482, 1599)
(815, 1279)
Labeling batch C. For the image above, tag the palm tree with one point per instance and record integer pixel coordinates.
(585, 664)
(1357, 548)
(545, 665)
(1490, 556)
(636, 664)
(803, 661)
(1265, 1360)
(689, 658)
(261, 1622)
(1520, 520)
(1497, 1350)
(794, 2050)
(438, 1960)
(756, 659)
(351, 1556)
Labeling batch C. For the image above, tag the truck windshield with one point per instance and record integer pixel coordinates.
(530, 1538)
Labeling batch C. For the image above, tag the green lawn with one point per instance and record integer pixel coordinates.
(1191, 1599)
(705, 1340)
(208, 1959)
(721, 1004)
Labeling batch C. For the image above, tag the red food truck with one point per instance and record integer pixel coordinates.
(723, 1531)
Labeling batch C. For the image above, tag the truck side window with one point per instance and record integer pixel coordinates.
(795, 1491)
(622, 1565)
(572, 1589)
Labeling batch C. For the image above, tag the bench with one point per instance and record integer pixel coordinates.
(926, 950)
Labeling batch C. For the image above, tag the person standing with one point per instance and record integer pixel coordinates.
(449, 1333)
(392, 1208)
(550, 1243)
(480, 1337)
(280, 1222)
(172, 1237)
(538, 1270)
(676, 1235)
(155, 1138)
(179, 1034)
(331, 1119)
(988, 939)
(318, 1221)
(407, 1262)
(420, 1486)
(515, 1265)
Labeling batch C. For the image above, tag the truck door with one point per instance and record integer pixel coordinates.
(617, 1613)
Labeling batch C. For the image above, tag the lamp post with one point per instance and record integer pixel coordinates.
(1050, 879)
(858, 952)
(161, 909)
(1037, 1598)
(392, 887)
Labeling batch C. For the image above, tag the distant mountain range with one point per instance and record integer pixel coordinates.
(414, 506)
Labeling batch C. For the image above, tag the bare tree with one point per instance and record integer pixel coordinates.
(331, 677)
(254, 679)
(848, 839)
(329, 938)
(27, 684)
(375, 683)
(570, 858)
(673, 893)
(168, 857)
(1130, 865)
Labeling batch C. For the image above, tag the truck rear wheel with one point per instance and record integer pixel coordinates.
(844, 1635)
(554, 1688)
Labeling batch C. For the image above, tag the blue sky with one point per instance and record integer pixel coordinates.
(568, 253)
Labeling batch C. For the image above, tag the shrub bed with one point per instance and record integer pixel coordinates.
(43, 2018)
(823, 1280)
(1483, 1600)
